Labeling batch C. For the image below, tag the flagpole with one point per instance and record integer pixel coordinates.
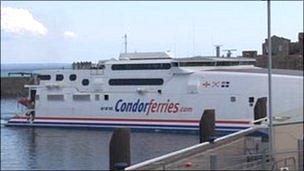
(271, 139)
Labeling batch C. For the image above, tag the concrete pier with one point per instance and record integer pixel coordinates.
(238, 151)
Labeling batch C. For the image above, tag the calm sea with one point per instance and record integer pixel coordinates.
(84, 149)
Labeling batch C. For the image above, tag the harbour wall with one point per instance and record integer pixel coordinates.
(14, 86)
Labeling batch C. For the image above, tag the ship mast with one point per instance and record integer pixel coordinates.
(126, 43)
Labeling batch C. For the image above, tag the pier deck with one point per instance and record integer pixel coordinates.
(237, 151)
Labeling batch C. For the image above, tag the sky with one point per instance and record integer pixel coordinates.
(67, 31)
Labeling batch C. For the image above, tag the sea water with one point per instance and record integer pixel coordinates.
(68, 148)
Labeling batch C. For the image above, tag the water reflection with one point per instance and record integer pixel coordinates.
(75, 149)
(52, 148)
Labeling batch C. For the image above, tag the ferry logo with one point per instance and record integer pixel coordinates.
(149, 107)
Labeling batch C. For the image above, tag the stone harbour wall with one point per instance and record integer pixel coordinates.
(14, 86)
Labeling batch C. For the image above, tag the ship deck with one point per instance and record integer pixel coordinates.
(264, 70)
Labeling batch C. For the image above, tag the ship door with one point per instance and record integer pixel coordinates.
(32, 95)
(260, 109)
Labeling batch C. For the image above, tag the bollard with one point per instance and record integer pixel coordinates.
(260, 109)
(120, 149)
(207, 126)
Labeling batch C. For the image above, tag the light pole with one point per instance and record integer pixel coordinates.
(270, 134)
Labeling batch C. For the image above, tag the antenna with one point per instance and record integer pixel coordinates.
(229, 52)
(193, 38)
(126, 43)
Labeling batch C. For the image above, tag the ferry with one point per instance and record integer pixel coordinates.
(155, 91)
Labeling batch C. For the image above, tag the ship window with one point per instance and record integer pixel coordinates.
(73, 77)
(150, 66)
(55, 97)
(44, 77)
(252, 63)
(81, 97)
(59, 77)
(251, 99)
(184, 64)
(97, 97)
(136, 81)
(101, 66)
(247, 62)
(227, 63)
(106, 97)
(232, 98)
(85, 82)
(174, 64)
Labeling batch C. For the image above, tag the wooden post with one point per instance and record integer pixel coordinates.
(207, 125)
(260, 109)
(120, 149)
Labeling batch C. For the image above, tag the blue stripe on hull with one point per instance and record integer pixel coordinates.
(220, 130)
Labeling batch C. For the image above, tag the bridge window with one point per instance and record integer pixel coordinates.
(73, 77)
(136, 81)
(174, 64)
(59, 77)
(150, 66)
(44, 77)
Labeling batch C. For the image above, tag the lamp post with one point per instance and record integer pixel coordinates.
(270, 134)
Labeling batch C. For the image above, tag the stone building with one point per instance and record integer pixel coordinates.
(250, 53)
(279, 46)
(285, 54)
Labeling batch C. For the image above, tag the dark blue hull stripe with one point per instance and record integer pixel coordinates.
(151, 126)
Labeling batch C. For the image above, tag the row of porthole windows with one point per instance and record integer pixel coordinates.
(75, 97)
(60, 77)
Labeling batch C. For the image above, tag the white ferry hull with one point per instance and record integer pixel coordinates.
(164, 98)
